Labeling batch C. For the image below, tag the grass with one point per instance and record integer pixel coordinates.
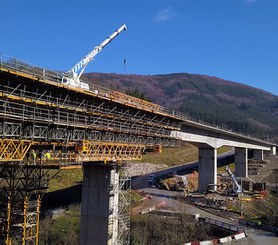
(65, 179)
(222, 169)
(223, 149)
(176, 156)
(136, 199)
(173, 156)
(62, 230)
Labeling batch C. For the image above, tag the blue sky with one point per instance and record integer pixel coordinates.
(234, 40)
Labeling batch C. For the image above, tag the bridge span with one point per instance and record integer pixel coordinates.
(45, 125)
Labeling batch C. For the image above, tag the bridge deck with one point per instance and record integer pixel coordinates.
(38, 112)
(36, 106)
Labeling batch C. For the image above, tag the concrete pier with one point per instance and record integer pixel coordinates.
(273, 150)
(258, 155)
(241, 162)
(99, 205)
(207, 168)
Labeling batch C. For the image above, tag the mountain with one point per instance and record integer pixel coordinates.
(212, 100)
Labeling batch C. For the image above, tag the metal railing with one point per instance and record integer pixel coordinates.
(224, 225)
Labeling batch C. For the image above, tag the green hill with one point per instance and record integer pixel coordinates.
(212, 100)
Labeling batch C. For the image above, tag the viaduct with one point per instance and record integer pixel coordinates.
(46, 125)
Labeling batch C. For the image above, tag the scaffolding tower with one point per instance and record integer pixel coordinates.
(124, 208)
(119, 207)
(21, 191)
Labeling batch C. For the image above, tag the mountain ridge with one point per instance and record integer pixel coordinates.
(214, 100)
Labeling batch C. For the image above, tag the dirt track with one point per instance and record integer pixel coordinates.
(168, 199)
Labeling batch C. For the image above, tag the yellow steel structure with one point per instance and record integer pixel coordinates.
(8, 237)
(89, 151)
(13, 150)
(23, 187)
(46, 124)
(85, 151)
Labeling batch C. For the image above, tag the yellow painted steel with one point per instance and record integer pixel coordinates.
(115, 96)
(88, 151)
(85, 151)
(13, 150)
(38, 219)
(8, 237)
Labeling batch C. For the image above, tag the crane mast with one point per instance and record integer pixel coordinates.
(72, 77)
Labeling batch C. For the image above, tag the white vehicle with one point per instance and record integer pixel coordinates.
(72, 77)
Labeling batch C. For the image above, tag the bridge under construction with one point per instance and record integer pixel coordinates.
(52, 120)
(45, 125)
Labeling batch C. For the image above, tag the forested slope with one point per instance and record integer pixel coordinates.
(214, 100)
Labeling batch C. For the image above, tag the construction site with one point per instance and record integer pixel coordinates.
(244, 202)
(52, 121)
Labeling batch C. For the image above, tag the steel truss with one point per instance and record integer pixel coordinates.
(13, 150)
(67, 152)
(89, 151)
(34, 103)
(46, 132)
(66, 126)
(21, 190)
(19, 68)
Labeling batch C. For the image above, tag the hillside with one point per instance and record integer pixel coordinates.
(214, 100)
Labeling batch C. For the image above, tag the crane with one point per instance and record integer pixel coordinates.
(238, 188)
(72, 77)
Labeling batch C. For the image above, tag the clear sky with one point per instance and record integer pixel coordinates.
(236, 40)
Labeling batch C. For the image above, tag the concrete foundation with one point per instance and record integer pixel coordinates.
(99, 199)
(241, 162)
(207, 168)
(258, 155)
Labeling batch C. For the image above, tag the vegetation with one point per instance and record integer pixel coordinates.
(136, 199)
(173, 156)
(265, 210)
(63, 230)
(64, 179)
(177, 155)
(136, 93)
(211, 100)
(151, 229)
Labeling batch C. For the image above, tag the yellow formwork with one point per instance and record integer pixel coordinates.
(13, 150)
(88, 151)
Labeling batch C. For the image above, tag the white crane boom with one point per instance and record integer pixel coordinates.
(72, 77)
(238, 187)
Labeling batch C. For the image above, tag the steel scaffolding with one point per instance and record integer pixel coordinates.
(21, 190)
(119, 206)
(45, 124)
(124, 208)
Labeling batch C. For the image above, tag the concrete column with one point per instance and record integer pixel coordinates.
(273, 150)
(258, 155)
(241, 162)
(207, 168)
(97, 206)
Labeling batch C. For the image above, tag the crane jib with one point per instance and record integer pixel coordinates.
(96, 50)
(72, 77)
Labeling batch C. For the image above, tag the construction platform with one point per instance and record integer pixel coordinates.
(40, 113)
(45, 124)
